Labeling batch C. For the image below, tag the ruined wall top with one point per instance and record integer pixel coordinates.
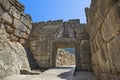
(60, 29)
(52, 26)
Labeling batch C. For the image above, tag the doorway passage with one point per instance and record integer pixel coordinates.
(65, 57)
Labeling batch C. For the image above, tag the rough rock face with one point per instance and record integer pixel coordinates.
(65, 58)
(12, 57)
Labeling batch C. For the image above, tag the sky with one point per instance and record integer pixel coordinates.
(45, 10)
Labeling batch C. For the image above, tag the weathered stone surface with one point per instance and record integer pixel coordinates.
(114, 20)
(14, 38)
(106, 32)
(5, 4)
(24, 35)
(9, 29)
(13, 57)
(23, 56)
(103, 19)
(14, 12)
(103, 60)
(75, 21)
(7, 18)
(18, 33)
(17, 24)
(43, 64)
(22, 41)
(114, 50)
(28, 31)
(25, 20)
(3, 27)
(99, 39)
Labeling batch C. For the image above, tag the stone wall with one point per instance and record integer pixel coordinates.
(103, 20)
(47, 37)
(14, 21)
(40, 37)
(15, 27)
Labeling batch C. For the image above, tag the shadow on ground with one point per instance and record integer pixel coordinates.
(78, 75)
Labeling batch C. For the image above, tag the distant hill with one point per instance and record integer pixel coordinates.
(71, 50)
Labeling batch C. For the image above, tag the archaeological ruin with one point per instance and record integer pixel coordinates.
(27, 48)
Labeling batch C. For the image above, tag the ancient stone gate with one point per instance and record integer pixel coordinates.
(101, 34)
(47, 37)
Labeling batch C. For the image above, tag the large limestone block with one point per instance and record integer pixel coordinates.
(111, 26)
(14, 12)
(9, 29)
(103, 59)
(20, 51)
(17, 24)
(7, 18)
(18, 33)
(114, 54)
(5, 4)
(113, 19)
(26, 20)
(6, 64)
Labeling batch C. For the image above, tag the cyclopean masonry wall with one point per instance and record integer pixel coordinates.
(14, 21)
(102, 35)
(103, 21)
(15, 27)
(47, 37)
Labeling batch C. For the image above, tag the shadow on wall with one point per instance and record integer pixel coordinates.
(31, 60)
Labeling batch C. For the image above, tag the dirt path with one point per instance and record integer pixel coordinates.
(58, 73)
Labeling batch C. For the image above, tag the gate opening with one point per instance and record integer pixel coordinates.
(65, 57)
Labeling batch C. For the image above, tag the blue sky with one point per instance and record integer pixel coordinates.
(44, 10)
